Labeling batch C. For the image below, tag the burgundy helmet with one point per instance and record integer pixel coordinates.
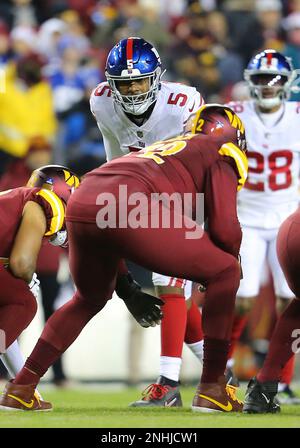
(57, 178)
(220, 122)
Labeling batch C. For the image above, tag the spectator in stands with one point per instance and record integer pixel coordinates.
(72, 84)
(205, 58)
(257, 30)
(292, 6)
(48, 39)
(5, 49)
(23, 41)
(21, 13)
(106, 19)
(26, 109)
(75, 33)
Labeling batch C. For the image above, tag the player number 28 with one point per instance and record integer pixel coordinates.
(278, 162)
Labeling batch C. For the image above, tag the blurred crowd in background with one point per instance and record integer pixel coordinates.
(53, 53)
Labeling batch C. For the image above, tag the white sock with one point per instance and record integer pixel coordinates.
(230, 363)
(281, 387)
(13, 359)
(197, 349)
(170, 367)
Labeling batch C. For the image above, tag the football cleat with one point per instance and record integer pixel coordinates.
(260, 397)
(159, 395)
(287, 396)
(216, 397)
(17, 397)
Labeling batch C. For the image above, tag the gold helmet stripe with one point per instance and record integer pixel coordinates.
(58, 210)
(235, 121)
(241, 161)
(70, 179)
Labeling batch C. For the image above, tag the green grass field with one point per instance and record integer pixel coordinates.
(108, 409)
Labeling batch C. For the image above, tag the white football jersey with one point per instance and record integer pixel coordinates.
(175, 103)
(270, 194)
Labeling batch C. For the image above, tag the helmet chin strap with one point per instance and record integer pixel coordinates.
(131, 109)
(269, 103)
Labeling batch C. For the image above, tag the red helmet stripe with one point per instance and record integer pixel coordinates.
(269, 59)
(129, 54)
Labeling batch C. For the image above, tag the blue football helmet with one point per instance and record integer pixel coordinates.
(134, 58)
(270, 76)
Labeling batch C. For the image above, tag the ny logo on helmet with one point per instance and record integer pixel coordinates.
(269, 63)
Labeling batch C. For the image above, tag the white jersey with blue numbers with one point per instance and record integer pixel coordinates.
(175, 103)
(270, 194)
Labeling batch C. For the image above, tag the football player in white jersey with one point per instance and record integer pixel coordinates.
(133, 109)
(271, 191)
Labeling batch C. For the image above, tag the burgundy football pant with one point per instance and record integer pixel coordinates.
(285, 339)
(17, 306)
(94, 257)
(288, 251)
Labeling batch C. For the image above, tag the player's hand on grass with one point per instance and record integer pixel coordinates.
(144, 307)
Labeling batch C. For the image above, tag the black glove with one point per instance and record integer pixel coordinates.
(144, 307)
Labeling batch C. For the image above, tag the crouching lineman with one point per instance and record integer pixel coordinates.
(260, 395)
(32, 216)
(102, 228)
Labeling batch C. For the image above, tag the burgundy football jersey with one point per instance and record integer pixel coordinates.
(12, 203)
(182, 161)
(186, 164)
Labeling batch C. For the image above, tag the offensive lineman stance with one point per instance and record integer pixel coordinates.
(30, 216)
(211, 160)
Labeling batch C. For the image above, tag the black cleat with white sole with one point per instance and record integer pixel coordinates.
(260, 397)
